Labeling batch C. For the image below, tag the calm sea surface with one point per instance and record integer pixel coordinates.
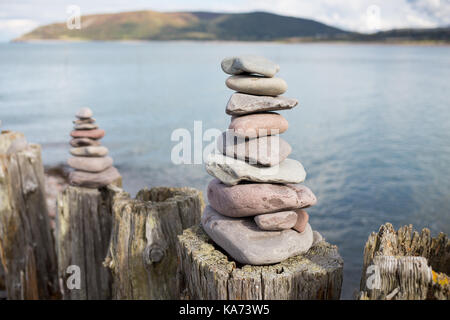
(372, 128)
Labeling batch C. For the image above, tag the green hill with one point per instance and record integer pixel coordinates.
(152, 25)
(254, 26)
(407, 35)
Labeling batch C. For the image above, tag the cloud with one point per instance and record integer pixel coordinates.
(357, 15)
(11, 28)
(436, 10)
(19, 16)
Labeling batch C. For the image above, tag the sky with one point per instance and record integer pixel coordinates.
(20, 16)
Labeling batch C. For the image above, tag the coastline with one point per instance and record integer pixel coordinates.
(286, 41)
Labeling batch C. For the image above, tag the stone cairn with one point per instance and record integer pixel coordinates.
(93, 168)
(256, 203)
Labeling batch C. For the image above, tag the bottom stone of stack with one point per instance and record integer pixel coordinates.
(247, 244)
(206, 273)
(94, 179)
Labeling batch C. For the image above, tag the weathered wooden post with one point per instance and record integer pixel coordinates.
(205, 272)
(83, 231)
(404, 264)
(142, 255)
(2, 278)
(26, 245)
(2, 283)
(84, 217)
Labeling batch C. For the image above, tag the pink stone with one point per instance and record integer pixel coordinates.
(90, 164)
(258, 125)
(243, 200)
(305, 195)
(277, 221)
(302, 220)
(93, 134)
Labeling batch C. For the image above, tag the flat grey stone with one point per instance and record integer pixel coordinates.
(317, 238)
(257, 85)
(241, 103)
(90, 164)
(84, 113)
(84, 121)
(247, 244)
(89, 151)
(265, 151)
(232, 171)
(276, 221)
(249, 64)
(86, 126)
(93, 180)
(83, 142)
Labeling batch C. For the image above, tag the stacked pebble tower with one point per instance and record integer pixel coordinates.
(256, 204)
(93, 167)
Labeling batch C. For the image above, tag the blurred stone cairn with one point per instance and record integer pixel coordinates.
(256, 203)
(93, 167)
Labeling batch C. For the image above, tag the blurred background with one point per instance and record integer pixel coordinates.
(372, 78)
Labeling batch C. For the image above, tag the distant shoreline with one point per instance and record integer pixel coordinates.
(249, 27)
(288, 42)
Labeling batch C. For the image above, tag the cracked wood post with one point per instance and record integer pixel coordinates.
(206, 273)
(27, 251)
(404, 264)
(2, 280)
(2, 277)
(83, 231)
(142, 255)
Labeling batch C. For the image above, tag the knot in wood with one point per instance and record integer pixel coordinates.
(29, 187)
(153, 254)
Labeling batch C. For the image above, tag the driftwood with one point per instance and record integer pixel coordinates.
(142, 255)
(26, 245)
(2, 282)
(205, 272)
(2, 278)
(83, 231)
(404, 264)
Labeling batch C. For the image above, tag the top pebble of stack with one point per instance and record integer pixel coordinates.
(253, 75)
(84, 113)
(250, 65)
